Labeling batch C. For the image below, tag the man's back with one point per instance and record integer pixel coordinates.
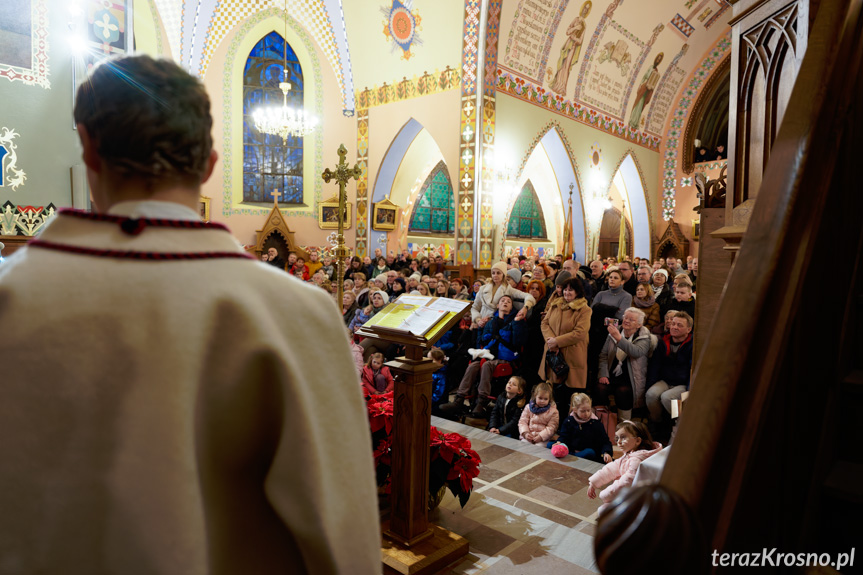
(162, 417)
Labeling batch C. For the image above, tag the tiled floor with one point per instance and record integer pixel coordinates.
(528, 513)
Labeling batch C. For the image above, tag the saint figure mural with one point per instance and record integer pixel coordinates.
(571, 49)
(645, 92)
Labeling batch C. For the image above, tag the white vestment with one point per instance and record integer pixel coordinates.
(176, 417)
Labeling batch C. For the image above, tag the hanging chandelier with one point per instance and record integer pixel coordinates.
(284, 121)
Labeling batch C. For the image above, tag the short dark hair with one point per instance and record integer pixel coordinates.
(148, 119)
(575, 285)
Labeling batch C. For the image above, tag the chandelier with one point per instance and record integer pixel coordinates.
(284, 121)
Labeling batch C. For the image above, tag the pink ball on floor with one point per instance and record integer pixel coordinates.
(559, 450)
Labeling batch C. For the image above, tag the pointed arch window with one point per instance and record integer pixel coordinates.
(434, 211)
(270, 164)
(526, 220)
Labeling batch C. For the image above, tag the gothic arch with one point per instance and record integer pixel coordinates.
(635, 191)
(440, 168)
(566, 170)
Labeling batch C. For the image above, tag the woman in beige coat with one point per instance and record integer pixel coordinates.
(565, 329)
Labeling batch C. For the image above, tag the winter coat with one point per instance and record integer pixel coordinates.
(664, 299)
(620, 473)
(687, 306)
(580, 436)
(369, 380)
(652, 318)
(485, 305)
(543, 423)
(636, 356)
(358, 356)
(672, 368)
(619, 298)
(569, 324)
(505, 416)
(503, 337)
(438, 385)
(349, 314)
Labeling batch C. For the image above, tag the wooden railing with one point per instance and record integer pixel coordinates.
(753, 442)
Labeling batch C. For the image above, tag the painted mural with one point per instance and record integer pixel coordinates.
(665, 93)
(529, 42)
(570, 51)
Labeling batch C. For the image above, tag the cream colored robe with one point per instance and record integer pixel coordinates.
(176, 417)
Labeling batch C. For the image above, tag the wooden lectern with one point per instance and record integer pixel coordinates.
(411, 545)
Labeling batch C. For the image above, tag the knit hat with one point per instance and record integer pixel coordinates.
(382, 278)
(500, 266)
(663, 272)
(562, 277)
(514, 274)
(416, 276)
(383, 295)
(400, 281)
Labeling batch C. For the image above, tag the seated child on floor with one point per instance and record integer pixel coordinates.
(583, 433)
(507, 409)
(539, 419)
(377, 378)
(634, 440)
(438, 357)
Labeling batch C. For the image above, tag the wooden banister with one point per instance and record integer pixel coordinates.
(741, 385)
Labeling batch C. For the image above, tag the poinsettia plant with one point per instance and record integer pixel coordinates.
(453, 463)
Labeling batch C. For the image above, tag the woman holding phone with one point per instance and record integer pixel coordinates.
(623, 363)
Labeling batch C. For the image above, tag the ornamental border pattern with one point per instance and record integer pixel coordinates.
(489, 117)
(362, 181)
(467, 141)
(39, 73)
(24, 220)
(406, 89)
(529, 92)
(674, 138)
(227, 117)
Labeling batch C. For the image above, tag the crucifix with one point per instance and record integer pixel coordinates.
(342, 175)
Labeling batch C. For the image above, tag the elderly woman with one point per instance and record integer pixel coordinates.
(349, 307)
(565, 328)
(489, 295)
(461, 291)
(623, 364)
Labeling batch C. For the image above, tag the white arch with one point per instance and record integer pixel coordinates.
(636, 199)
(565, 173)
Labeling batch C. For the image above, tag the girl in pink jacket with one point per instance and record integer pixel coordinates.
(377, 378)
(634, 440)
(539, 419)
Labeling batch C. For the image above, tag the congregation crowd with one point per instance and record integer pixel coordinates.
(615, 334)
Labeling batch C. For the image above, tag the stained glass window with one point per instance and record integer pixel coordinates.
(434, 212)
(270, 164)
(526, 219)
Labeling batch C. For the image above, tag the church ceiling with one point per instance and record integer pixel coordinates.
(623, 61)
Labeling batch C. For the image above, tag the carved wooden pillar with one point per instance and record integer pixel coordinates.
(769, 40)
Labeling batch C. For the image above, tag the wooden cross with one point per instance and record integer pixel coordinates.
(276, 194)
(342, 175)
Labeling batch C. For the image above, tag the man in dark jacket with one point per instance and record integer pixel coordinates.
(629, 281)
(669, 370)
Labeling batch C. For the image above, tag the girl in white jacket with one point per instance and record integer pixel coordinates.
(634, 440)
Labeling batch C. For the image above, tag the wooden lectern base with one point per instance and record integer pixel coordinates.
(428, 556)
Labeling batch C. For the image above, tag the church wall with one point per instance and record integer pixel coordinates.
(439, 115)
(519, 123)
(319, 149)
(47, 144)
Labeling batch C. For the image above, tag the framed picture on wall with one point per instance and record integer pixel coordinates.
(384, 216)
(696, 229)
(328, 214)
(204, 208)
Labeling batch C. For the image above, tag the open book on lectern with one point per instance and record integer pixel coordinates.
(419, 316)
